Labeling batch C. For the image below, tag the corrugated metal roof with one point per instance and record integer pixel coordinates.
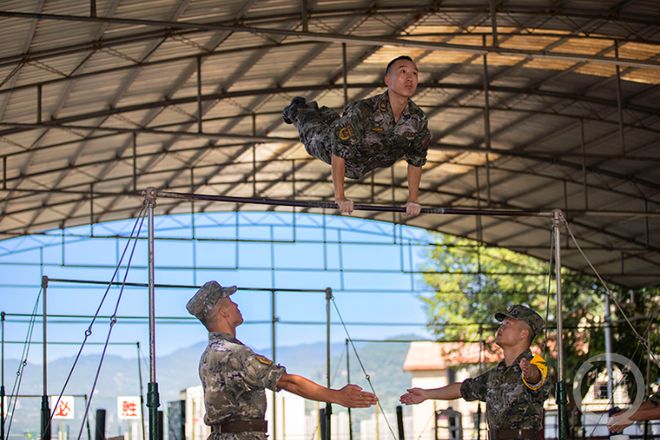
(556, 137)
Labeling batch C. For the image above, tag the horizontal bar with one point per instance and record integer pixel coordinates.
(356, 207)
(71, 343)
(178, 286)
(330, 37)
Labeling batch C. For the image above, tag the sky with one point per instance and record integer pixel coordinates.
(369, 274)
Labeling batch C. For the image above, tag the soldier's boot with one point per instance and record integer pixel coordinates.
(289, 112)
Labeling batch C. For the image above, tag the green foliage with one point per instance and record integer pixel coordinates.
(472, 282)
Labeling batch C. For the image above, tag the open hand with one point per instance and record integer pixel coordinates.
(413, 396)
(412, 209)
(345, 205)
(352, 396)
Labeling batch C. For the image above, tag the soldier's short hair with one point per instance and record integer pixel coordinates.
(400, 57)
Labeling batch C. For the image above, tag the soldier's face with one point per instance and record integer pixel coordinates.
(510, 332)
(229, 310)
(402, 78)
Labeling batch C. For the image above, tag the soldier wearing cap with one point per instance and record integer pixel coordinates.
(371, 133)
(514, 391)
(234, 378)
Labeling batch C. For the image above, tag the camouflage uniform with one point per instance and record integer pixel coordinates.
(234, 379)
(509, 403)
(366, 135)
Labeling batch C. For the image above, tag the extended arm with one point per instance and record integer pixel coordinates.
(414, 178)
(418, 395)
(350, 396)
(338, 172)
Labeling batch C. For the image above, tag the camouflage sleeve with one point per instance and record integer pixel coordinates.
(348, 131)
(259, 372)
(417, 156)
(475, 388)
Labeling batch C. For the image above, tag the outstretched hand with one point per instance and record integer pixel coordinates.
(413, 396)
(352, 396)
(345, 205)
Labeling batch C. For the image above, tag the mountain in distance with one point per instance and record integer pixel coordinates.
(176, 371)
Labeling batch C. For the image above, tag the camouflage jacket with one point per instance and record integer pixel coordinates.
(367, 137)
(509, 403)
(234, 379)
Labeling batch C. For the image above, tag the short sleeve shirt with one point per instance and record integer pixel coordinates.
(366, 136)
(509, 403)
(234, 379)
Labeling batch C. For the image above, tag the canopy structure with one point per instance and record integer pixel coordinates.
(533, 106)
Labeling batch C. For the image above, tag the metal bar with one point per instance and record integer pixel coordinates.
(2, 376)
(561, 385)
(200, 116)
(254, 156)
(139, 359)
(328, 405)
(487, 131)
(336, 38)
(180, 286)
(91, 209)
(39, 103)
(135, 175)
(273, 347)
(493, 22)
(357, 207)
(348, 381)
(4, 172)
(585, 185)
(344, 65)
(619, 100)
(92, 12)
(153, 401)
(303, 15)
(45, 410)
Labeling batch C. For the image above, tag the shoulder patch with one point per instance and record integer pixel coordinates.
(382, 106)
(263, 359)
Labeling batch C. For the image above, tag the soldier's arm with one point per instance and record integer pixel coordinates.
(338, 172)
(414, 178)
(350, 396)
(418, 395)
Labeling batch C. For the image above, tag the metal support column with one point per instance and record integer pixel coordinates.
(328, 405)
(2, 376)
(619, 99)
(139, 362)
(348, 380)
(153, 400)
(344, 69)
(608, 350)
(199, 94)
(487, 130)
(45, 410)
(561, 385)
(273, 341)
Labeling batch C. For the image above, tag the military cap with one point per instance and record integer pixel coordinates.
(523, 313)
(206, 297)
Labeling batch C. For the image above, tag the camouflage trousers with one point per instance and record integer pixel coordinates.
(315, 129)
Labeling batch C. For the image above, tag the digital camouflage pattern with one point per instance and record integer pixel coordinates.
(365, 136)
(523, 313)
(509, 403)
(234, 379)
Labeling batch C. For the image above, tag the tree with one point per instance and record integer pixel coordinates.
(472, 281)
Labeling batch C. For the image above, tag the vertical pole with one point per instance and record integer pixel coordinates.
(561, 385)
(303, 17)
(345, 71)
(487, 131)
(619, 99)
(92, 8)
(4, 172)
(328, 405)
(87, 425)
(91, 210)
(2, 384)
(273, 342)
(134, 161)
(584, 166)
(399, 422)
(199, 94)
(348, 380)
(45, 410)
(608, 349)
(493, 22)
(254, 156)
(141, 389)
(153, 400)
(39, 102)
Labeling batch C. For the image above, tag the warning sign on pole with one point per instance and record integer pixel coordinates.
(128, 407)
(64, 409)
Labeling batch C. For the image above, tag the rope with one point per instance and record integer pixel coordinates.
(88, 332)
(610, 294)
(364, 370)
(11, 406)
(113, 321)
